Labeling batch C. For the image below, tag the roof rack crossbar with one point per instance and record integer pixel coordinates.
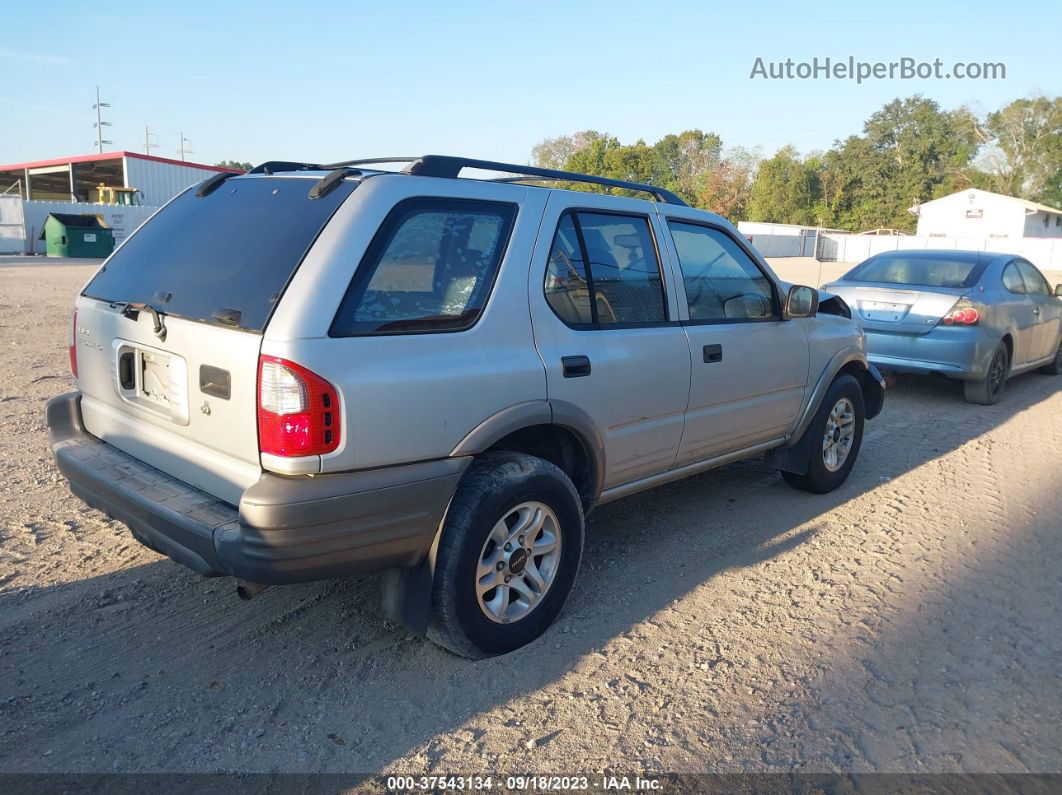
(273, 166)
(446, 166)
(369, 161)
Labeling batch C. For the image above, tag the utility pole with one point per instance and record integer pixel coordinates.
(100, 123)
(185, 150)
(148, 143)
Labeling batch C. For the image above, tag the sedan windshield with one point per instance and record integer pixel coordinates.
(924, 269)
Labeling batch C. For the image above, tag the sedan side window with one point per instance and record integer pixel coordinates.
(1035, 283)
(1012, 280)
(722, 281)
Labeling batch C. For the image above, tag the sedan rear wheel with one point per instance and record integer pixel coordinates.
(987, 391)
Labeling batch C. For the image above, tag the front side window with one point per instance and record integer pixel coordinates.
(603, 271)
(1035, 283)
(429, 268)
(722, 282)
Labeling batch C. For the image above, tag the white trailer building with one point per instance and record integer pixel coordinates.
(978, 213)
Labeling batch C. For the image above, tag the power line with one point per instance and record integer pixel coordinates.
(100, 123)
(150, 144)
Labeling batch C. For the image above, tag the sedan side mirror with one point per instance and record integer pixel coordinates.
(801, 302)
(1058, 290)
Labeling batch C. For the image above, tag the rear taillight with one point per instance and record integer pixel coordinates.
(964, 313)
(298, 411)
(73, 344)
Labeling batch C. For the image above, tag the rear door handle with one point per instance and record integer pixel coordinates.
(576, 366)
(713, 353)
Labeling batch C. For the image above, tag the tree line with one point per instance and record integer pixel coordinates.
(910, 151)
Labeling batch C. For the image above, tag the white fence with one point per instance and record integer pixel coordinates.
(21, 236)
(1045, 253)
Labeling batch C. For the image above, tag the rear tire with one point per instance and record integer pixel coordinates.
(988, 390)
(830, 461)
(505, 500)
(1055, 367)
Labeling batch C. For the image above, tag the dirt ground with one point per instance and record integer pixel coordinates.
(909, 621)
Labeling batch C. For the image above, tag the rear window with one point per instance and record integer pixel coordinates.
(429, 268)
(919, 270)
(231, 251)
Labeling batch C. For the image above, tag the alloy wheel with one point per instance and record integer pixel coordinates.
(519, 562)
(839, 434)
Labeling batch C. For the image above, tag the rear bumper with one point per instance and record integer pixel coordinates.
(286, 529)
(962, 353)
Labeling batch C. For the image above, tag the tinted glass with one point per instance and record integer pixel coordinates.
(927, 270)
(233, 249)
(567, 288)
(1012, 280)
(430, 268)
(624, 269)
(722, 282)
(1035, 283)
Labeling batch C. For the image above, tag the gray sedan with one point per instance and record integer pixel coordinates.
(971, 315)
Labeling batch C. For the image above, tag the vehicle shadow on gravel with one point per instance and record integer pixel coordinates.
(154, 668)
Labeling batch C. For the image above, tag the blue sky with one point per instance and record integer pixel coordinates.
(324, 81)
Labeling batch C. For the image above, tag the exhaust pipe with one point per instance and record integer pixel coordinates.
(249, 590)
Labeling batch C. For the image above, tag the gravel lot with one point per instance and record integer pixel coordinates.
(908, 622)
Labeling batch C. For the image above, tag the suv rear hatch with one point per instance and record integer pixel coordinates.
(211, 268)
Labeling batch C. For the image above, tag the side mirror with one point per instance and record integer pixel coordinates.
(1058, 290)
(801, 302)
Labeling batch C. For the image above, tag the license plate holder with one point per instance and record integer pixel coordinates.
(883, 311)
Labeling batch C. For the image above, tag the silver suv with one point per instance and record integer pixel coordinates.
(313, 371)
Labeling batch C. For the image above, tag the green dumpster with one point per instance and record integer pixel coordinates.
(69, 235)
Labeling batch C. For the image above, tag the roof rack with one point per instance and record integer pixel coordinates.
(451, 167)
(445, 166)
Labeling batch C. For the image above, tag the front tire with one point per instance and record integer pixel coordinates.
(988, 390)
(836, 435)
(507, 557)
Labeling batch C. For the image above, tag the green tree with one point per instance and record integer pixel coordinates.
(786, 190)
(234, 164)
(1023, 148)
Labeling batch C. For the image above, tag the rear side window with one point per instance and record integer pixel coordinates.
(1012, 280)
(429, 268)
(234, 249)
(604, 271)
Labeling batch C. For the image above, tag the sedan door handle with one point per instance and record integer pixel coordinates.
(1036, 310)
(576, 366)
(713, 353)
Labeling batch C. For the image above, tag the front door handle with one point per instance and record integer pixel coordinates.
(1036, 310)
(576, 366)
(713, 353)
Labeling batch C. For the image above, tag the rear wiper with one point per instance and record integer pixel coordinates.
(133, 310)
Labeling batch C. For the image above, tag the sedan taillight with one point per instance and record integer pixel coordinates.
(964, 313)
